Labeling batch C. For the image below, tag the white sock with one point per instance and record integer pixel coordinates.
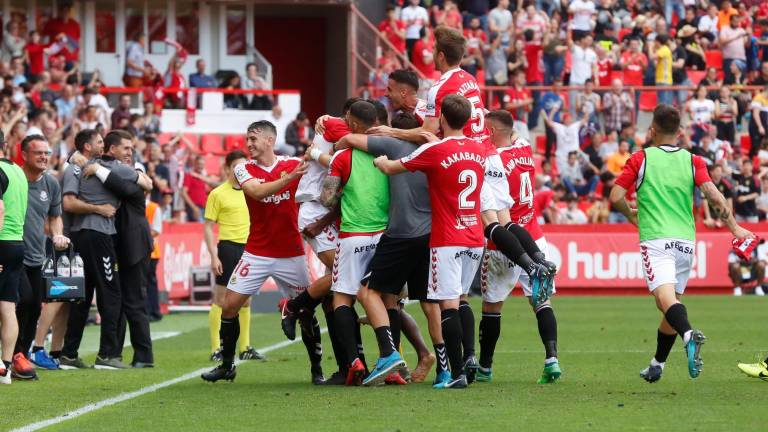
(687, 336)
(550, 360)
(655, 362)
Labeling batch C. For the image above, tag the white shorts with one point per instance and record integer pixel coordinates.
(310, 212)
(353, 254)
(452, 269)
(494, 194)
(499, 275)
(667, 261)
(291, 275)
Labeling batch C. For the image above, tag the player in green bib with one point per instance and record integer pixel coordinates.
(13, 209)
(665, 177)
(364, 194)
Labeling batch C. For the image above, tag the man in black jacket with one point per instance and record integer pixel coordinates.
(133, 242)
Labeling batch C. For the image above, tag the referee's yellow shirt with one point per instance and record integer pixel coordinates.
(226, 206)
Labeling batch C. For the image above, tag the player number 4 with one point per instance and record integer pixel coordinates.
(526, 191)
(467, 176)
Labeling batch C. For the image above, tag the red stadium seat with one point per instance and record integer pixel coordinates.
(191, 139)
(213, 164)
(714, 59)
(234, 142)
(541, 144)
(648, 100)
(696, 76)
(211, 144)
(164, 137)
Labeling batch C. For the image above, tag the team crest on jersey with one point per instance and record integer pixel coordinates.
(283, 174)
(43, 196)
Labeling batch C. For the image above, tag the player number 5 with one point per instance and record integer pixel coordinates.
(467, 176)
(478, 116)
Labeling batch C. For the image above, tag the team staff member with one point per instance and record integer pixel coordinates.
(44, 207)
(226, 207)
(93, 209)
(13, 208)
(133, 243)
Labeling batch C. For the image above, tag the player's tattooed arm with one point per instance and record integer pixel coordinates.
(720, 209)
(331, 193)
(619, 201)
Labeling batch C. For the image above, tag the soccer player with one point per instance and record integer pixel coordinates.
(364, 215)
(755, 370)
(514, 242)
(664, 176)
(274, 248)
(226, 207)
(455, 168)
(498, 274)
(402, 89)
(318, 225)
(402, 256)
(13, 207)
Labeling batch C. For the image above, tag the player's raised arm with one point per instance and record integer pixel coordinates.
(259, 191)
(355, 141)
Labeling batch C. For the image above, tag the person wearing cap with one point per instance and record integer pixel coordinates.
(695, 57)
(13, 209)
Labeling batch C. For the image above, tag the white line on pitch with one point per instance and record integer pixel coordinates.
(140, 392)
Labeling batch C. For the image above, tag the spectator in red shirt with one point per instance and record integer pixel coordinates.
(604, 66)
(393, 29)
(633, 62)
(476, 42)
(35, 52)
(449, 16)
(518, 100)
(195, 190)
(66, 30)
(533, 73)
(422, 54)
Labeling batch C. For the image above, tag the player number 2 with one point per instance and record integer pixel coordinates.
(526, 191)
(478, 116)
(467, 176)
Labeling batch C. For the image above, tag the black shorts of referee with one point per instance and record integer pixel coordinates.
(397, 262)
(229, 254)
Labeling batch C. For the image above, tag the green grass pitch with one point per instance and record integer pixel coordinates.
(604, 343)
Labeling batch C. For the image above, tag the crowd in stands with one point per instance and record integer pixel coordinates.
(568, 70)
(44, 91)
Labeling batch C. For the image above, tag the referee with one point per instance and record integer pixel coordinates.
(13, 209)
(226, 207)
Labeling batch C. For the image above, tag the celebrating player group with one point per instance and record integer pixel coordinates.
(413, 209)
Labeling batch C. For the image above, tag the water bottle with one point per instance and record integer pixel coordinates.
(77, 266)
(62, 266)
(48, 267)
